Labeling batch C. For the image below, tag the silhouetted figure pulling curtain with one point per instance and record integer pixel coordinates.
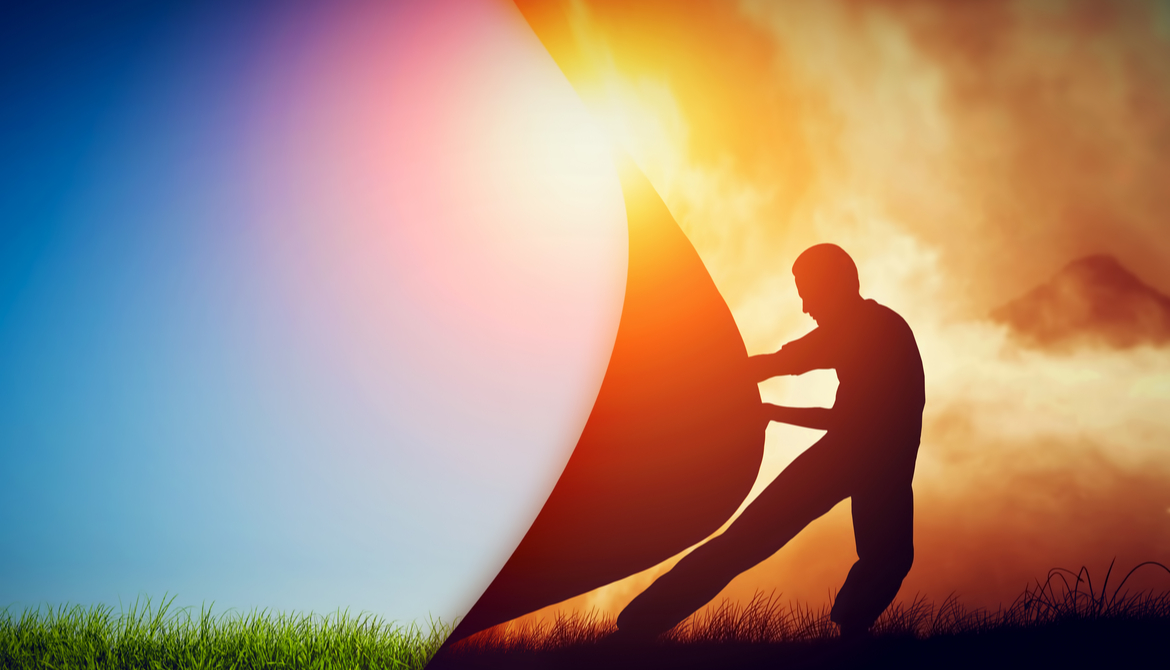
(867, 454)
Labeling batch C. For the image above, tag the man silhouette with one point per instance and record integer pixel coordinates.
(867, 455)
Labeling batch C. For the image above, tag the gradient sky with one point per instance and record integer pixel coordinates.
(301, 307)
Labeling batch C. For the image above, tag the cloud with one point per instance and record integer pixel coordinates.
(1056, 118)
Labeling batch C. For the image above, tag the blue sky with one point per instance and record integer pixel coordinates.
(210, 386)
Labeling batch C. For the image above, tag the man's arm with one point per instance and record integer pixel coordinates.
(820, 418)
(766, 366)
(795, 358)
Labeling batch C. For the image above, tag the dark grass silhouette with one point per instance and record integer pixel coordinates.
(1065, 621)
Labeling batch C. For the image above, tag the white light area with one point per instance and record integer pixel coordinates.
(445, 230)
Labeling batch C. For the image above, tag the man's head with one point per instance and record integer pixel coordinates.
(826, 278)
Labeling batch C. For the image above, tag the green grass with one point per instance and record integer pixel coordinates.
(162, 637)
(1067, 614)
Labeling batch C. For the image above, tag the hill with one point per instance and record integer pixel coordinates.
(1091, 300)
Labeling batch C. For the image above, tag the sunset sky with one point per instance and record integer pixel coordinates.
(962, 153)
(304, 307)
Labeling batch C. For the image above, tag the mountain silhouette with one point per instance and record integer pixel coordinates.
(1092, 300)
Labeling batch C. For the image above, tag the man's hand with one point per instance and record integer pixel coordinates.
(765, 366)
(795, 358)
(819, 418)
(765, 414)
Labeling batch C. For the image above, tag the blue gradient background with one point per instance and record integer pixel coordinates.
(174, 417)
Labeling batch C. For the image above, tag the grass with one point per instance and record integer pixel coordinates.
(1064, 621)
(147, 637)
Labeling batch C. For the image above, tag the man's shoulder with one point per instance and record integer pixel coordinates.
(887, 325)
(879, 312)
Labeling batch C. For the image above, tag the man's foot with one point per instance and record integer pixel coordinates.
(851, 634)
(626, 638)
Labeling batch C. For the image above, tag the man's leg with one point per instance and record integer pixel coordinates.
(816, 481)
(883, 527)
